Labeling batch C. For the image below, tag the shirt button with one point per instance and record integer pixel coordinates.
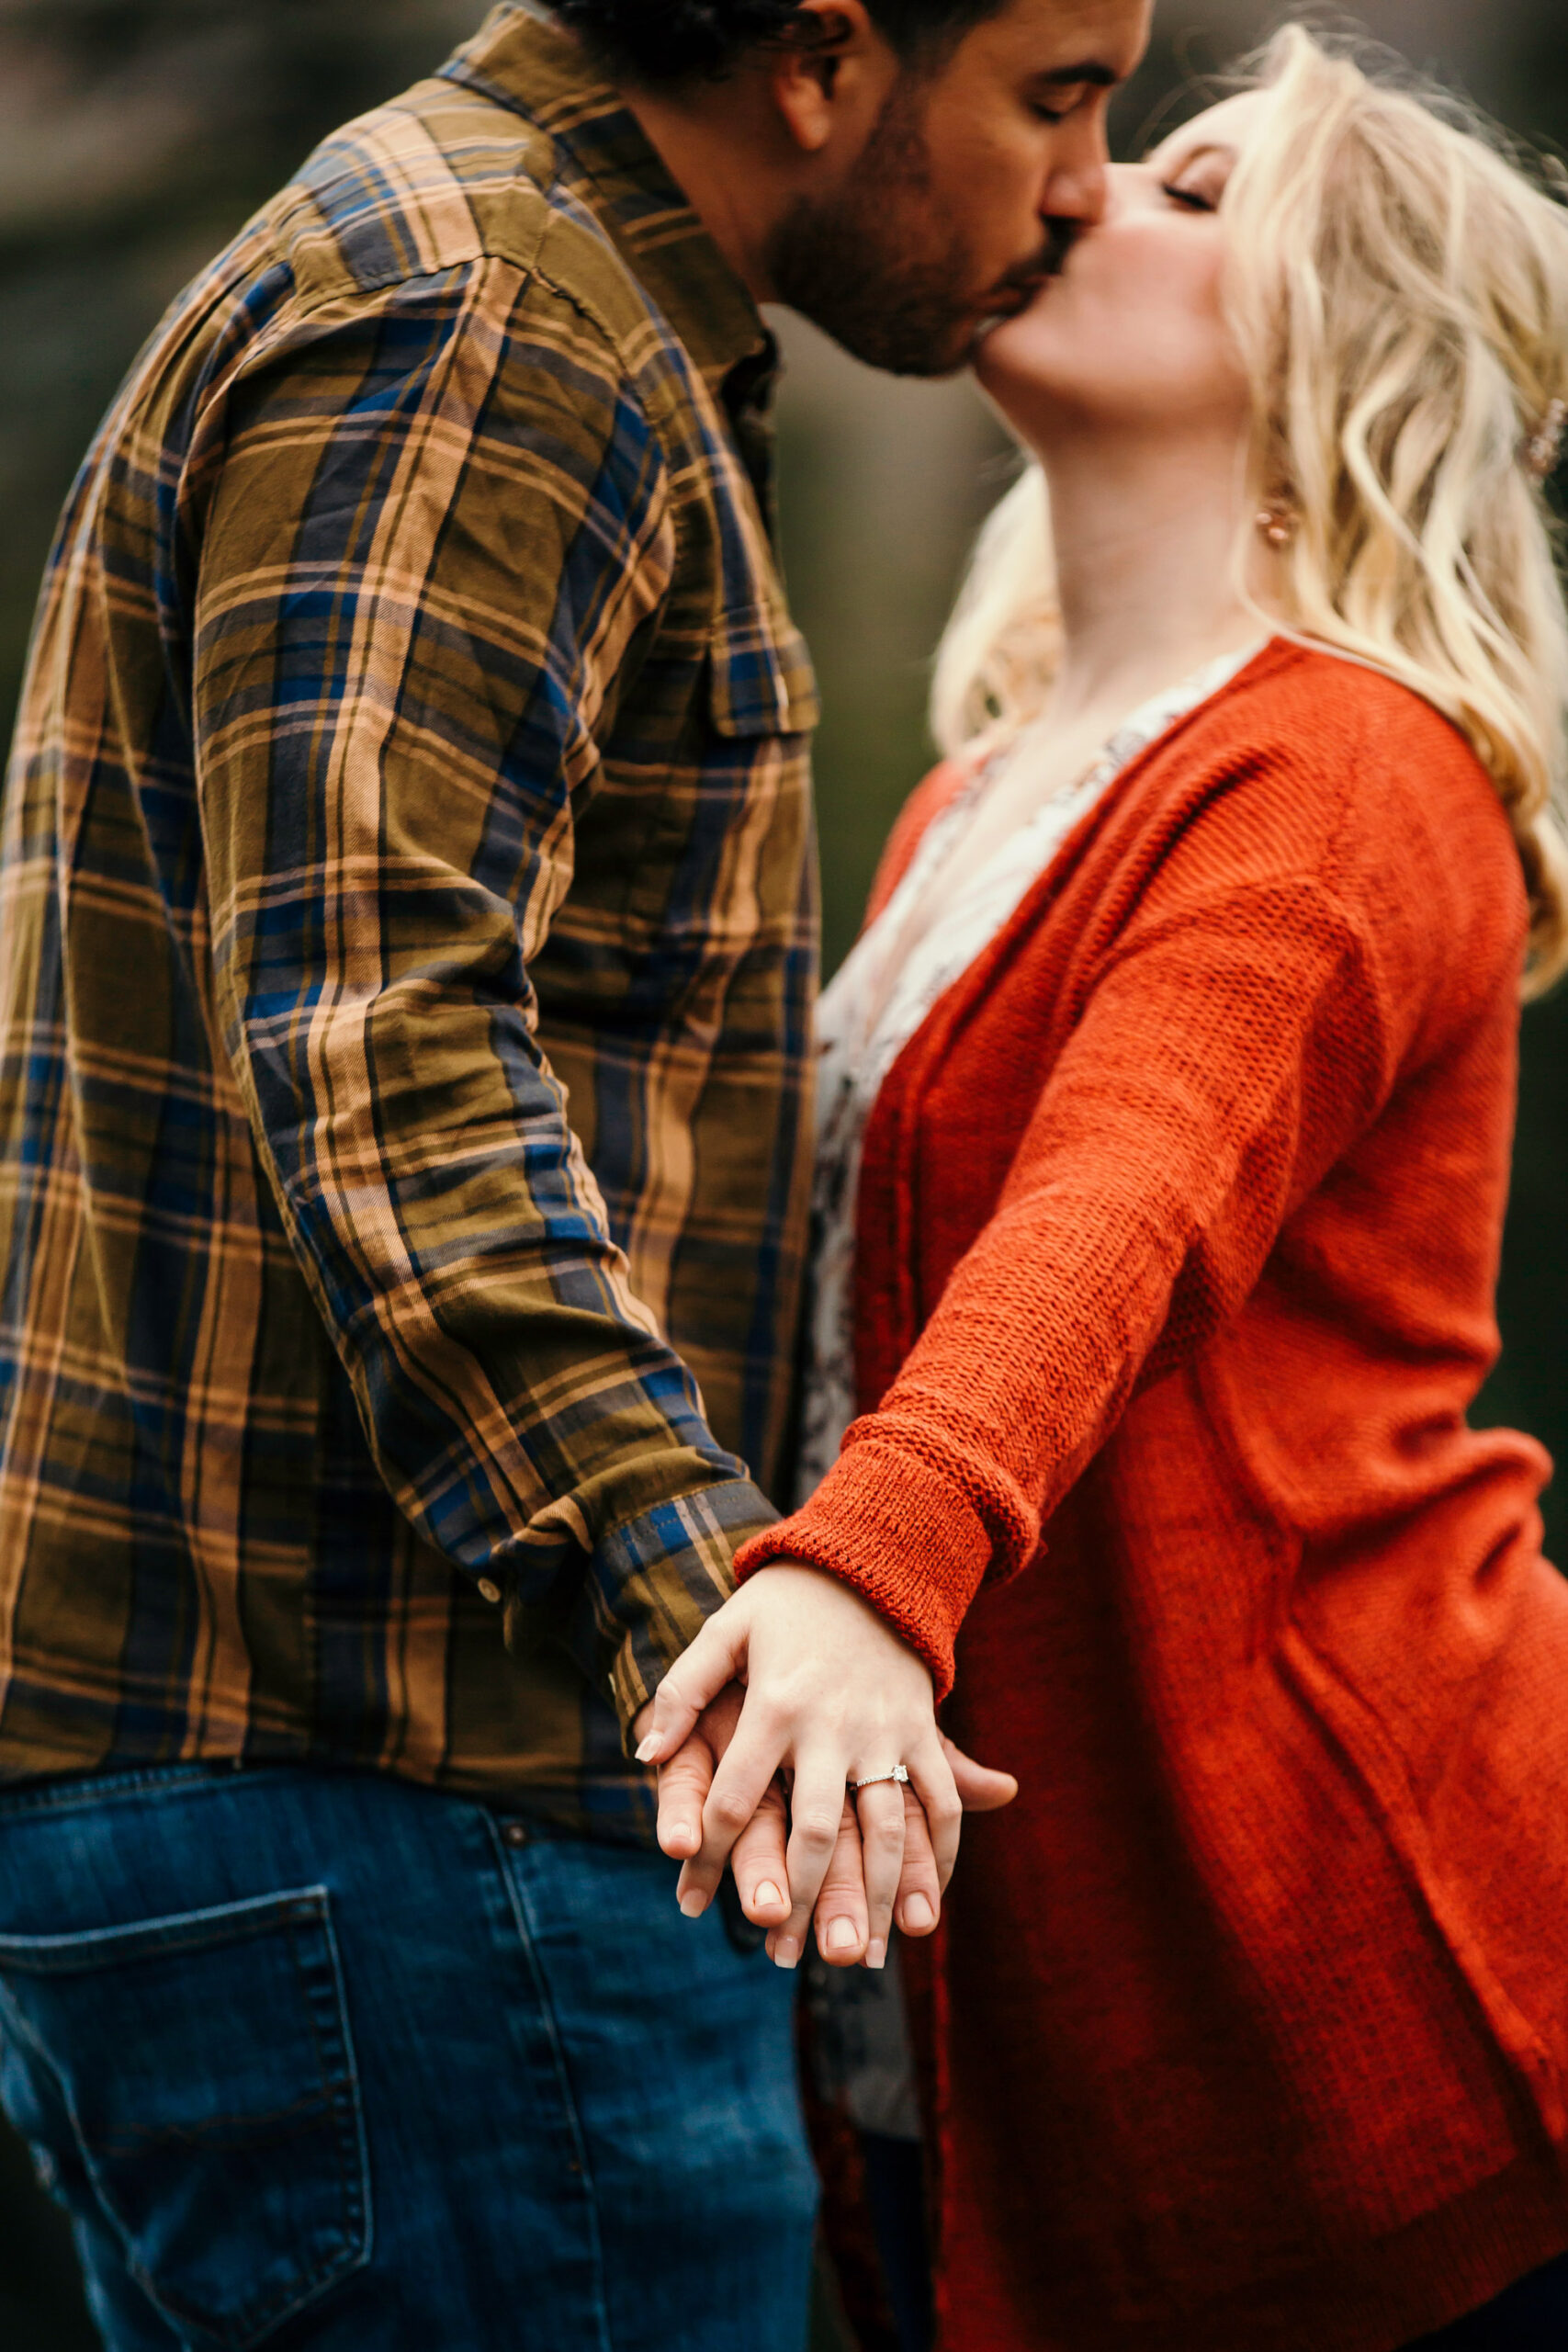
(515, 1834)
(489, 1591)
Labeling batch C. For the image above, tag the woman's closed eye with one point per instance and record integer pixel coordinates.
(1192, 198)
(1199, 181)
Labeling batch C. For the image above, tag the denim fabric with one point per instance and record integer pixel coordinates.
(343, 2062)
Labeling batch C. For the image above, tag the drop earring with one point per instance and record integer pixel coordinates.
(1543, 450)
(1278, 524)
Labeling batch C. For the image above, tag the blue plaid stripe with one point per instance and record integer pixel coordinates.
(397, 1129)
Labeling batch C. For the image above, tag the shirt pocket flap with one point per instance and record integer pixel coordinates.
(761, 682)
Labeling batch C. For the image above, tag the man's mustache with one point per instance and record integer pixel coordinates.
(1060, 238)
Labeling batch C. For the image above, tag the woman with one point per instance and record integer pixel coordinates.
(1167, 1106)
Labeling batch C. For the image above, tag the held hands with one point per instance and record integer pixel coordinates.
(796, 1674)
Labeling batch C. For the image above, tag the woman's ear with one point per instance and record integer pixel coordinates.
(831, 79)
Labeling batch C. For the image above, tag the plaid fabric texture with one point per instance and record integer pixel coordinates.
(408, 921)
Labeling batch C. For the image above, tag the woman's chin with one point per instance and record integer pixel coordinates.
(1007, 361)
(991, 345)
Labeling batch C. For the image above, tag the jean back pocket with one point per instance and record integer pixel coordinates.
(208, 2066)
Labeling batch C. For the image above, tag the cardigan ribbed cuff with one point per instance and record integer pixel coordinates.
(910, 1541)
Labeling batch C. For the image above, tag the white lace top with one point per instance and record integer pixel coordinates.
(872, 1009)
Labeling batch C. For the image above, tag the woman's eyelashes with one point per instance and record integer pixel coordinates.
(1194, 198)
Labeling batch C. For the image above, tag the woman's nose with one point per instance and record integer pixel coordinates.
(1128, 186)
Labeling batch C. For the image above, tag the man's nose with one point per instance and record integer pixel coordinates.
(1077, 187)
(1080, 193)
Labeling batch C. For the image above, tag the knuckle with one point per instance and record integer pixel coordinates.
(815, 1828)
(728, 1809)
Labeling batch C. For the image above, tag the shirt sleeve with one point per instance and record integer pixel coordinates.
(438, 541)
(1235, 1043)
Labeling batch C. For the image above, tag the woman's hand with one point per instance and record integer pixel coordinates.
(757, 1858)
(833, 1696)
(842, 1899)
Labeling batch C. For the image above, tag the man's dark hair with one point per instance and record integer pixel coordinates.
(649, 42)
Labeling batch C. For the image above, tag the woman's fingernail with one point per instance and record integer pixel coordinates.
(767, 1896)
(786, 1952)
(649, 1748)
(877, 1955)
(843, 1935)
(917, 1915)
(694, 1904)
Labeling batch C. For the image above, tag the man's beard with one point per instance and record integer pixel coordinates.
(857, 263)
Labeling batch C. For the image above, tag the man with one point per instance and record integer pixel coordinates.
(405, 990)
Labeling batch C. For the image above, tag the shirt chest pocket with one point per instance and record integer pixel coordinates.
(713, 834)
(746, 851)
(761, 681)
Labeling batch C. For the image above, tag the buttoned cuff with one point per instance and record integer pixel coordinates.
(660, 1577)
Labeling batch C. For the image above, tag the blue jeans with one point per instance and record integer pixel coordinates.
(335, 2061)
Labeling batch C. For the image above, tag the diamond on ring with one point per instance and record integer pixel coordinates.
(899, 1772)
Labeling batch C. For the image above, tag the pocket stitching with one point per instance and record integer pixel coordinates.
(78, 1954)
(323, 2103)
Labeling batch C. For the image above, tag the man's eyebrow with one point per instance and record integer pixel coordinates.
(1097, 74)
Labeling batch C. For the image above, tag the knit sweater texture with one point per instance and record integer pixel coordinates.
(1178, 1232)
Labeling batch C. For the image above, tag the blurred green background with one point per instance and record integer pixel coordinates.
(135, 135)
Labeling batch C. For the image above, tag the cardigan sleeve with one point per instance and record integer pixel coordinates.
(1233, 1045)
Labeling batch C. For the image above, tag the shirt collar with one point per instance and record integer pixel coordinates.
(522, 60)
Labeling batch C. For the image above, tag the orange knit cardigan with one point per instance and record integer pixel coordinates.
(1178, 1230)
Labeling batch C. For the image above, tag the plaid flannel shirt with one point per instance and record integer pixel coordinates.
(407, 944)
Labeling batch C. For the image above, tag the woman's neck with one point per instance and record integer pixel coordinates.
(1145, 537)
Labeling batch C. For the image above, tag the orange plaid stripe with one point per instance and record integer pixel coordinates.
(407, 936)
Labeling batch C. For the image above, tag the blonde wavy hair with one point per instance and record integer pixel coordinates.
(1398, 289)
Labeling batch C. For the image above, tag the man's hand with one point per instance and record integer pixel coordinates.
(757, 1856)
(833, 1696)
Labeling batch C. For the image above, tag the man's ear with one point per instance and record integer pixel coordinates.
(829, 82)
